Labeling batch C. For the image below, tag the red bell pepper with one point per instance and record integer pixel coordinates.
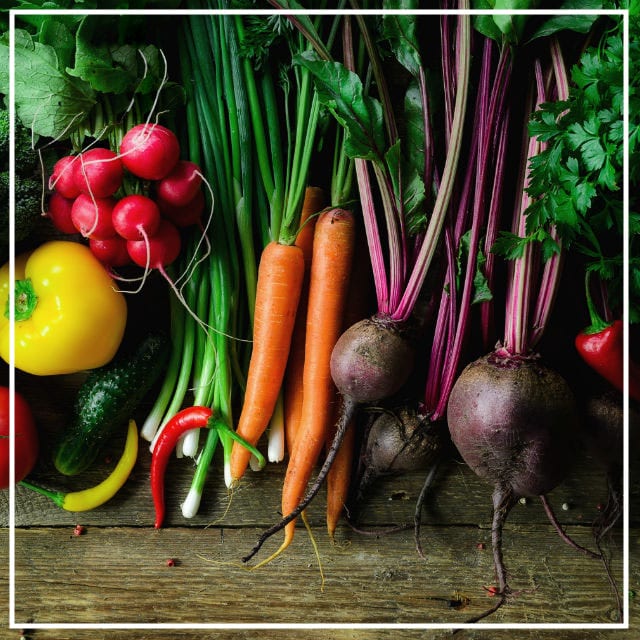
(601, 346)
(603, 351)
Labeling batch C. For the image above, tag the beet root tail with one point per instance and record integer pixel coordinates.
(503, 501)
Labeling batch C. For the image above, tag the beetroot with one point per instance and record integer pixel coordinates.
(514, 422)
(604, 430)
(371, 360)
(398, 441)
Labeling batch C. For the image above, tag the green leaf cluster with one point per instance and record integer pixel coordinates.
(522, 28)
(70, 80)
(576, 180)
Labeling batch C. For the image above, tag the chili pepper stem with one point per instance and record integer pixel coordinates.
(597, 324)
(56, 496)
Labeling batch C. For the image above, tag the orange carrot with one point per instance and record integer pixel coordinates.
(292, 392)
(278, 288)
(331, 266)
(359, 306)
(339, 476)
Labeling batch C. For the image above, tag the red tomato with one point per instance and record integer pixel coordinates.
(26, 448)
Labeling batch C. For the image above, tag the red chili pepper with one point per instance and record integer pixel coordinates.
(185, 420)
(603, 351)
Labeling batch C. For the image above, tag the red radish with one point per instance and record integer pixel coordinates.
(182, 184)
(62, 178)
(98, 172)
(135, 217)
(112, 252)
(92, 218)
(59, 212)
(149, 151)
(183, 215)
(158, 251)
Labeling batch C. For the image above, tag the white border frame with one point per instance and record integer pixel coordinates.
(624, 624)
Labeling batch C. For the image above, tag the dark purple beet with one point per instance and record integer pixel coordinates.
(604, 427)
(514, 422)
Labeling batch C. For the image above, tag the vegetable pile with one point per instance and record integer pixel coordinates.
(363, 235)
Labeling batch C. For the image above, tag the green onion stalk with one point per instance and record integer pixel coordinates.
(227, 156)
(218, 270)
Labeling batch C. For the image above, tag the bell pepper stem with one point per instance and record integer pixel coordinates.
(26, 301)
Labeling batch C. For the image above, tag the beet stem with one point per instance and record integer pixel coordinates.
(572, 543)
(349, 407)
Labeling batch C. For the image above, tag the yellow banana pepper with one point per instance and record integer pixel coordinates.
(93, 497)
(69, 315)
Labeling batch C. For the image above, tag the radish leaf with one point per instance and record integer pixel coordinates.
(47, 99)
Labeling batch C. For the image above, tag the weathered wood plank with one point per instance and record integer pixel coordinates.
(119, 575)
(458, 497)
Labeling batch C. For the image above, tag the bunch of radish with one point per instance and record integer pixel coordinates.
(133, 228)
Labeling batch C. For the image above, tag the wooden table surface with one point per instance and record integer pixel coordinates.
(117, 572)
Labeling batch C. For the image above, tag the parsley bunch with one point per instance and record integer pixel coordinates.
(576, 181)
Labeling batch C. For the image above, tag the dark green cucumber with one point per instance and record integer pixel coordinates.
(106, 402)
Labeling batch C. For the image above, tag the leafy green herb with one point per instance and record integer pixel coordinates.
(47, 99)
(575, 181)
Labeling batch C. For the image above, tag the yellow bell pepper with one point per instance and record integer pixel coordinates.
(69, 315)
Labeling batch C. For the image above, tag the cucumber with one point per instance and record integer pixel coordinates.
(106, 401)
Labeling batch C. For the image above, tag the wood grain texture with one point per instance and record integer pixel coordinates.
(120, 575)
